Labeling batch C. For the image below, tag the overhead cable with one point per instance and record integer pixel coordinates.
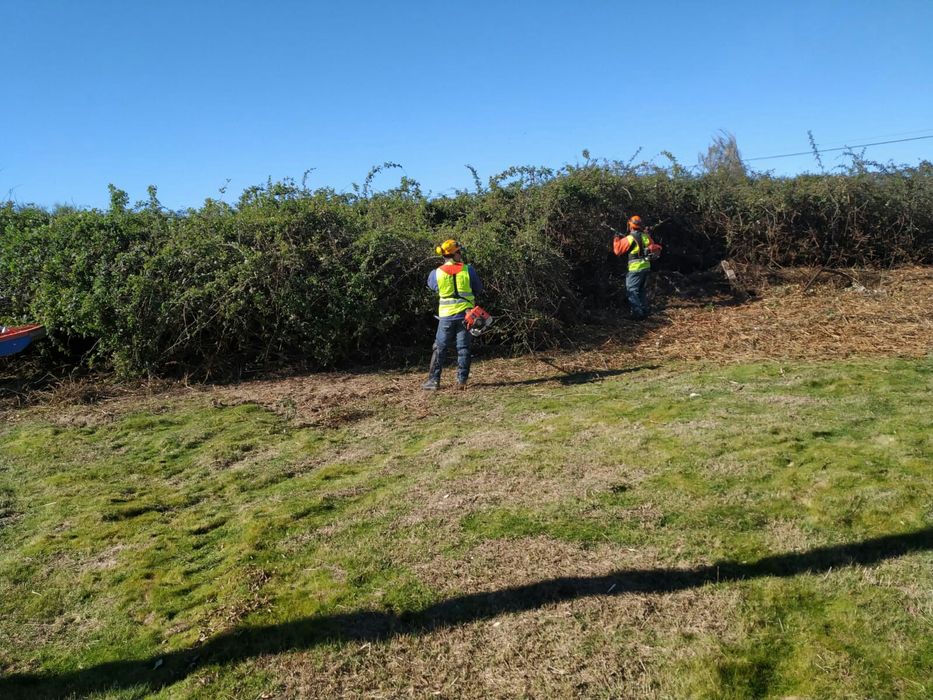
(841, 148)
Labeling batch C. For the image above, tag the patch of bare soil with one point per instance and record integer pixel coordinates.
(494, 565)
(451, 500)
(87, 401)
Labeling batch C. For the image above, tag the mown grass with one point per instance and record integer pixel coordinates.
(133, 549)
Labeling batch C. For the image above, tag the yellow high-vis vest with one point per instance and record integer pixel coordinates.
(636, 259)
(453, 286)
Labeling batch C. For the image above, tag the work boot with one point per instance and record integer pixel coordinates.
(431, 384)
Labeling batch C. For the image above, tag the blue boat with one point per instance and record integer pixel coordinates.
(14, 340)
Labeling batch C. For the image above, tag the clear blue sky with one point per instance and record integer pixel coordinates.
(186, 95)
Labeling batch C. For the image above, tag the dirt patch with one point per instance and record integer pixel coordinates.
(504, 563)
(230, 614)
(328, 400)
(106, 559)
(787, 536)
(784, 400)
(455, 498)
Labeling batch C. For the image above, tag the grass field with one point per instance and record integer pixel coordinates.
(686, 530)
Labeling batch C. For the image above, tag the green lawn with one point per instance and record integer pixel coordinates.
(740, 531)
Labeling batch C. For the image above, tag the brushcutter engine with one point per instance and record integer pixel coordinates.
(477, 320)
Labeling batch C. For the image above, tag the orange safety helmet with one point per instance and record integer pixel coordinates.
(634, 224)
(448, 247)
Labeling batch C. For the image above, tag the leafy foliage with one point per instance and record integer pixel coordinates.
(289, 275)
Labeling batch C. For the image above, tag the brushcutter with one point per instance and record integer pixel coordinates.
(477, 320)
(653, 252)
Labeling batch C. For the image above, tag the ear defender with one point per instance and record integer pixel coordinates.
(438, 250)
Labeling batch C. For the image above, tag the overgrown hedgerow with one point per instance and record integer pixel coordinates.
(290, 275)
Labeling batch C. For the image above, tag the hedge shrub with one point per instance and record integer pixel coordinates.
(318, 278)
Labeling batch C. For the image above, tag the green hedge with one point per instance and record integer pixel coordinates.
(318, 278)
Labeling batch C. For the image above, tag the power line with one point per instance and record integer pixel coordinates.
(841, 148)
(895, 134)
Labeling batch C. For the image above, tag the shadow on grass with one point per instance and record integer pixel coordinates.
(373, 625)
(570, 378)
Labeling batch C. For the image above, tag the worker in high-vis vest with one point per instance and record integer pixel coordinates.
(457, 285)
(641, 249)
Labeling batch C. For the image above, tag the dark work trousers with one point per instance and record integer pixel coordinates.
(449, 331)
(635, 283)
